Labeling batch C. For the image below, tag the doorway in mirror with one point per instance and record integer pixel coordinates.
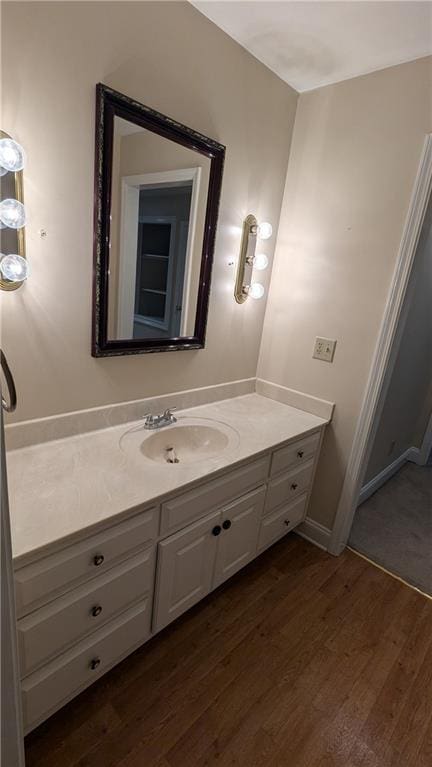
(155, 296)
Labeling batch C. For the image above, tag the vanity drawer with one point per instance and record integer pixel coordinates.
(46, 690)
(294, 454)
(287, 486)
(178, 512)
(47, 632)
(280, 522)
(55, 574)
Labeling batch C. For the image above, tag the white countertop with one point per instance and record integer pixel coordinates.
(58, 489)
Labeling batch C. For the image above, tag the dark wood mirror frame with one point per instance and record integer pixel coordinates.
(109, 104)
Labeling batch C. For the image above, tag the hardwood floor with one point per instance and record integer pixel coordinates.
(301, 660)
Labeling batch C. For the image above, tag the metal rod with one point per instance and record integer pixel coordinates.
(9, 408)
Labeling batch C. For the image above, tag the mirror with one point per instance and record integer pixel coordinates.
(157, 190)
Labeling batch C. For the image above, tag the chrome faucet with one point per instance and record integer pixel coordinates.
(159, 421)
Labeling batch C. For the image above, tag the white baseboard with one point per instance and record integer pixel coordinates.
(314, 533)
(412, 454)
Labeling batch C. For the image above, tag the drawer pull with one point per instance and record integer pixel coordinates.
(300, 453)
(294, 486)
(227, 524)
(98, 559)
(94, 663)
(217, 530)
(97, 609)
(287, 522)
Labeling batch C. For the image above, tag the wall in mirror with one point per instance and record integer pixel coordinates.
(157, 195)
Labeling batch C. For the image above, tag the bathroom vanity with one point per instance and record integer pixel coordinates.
(112, 542)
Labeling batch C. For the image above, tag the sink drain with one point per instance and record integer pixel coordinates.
(171, 455)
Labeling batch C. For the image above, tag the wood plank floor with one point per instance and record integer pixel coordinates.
(301, 660)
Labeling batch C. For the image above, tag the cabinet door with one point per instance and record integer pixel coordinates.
(185, 568)
(238, 541)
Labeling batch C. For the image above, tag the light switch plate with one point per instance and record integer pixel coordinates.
(324, 349)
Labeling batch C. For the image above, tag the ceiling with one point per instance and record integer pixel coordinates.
(310, 44)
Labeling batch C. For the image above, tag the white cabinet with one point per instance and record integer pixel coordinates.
(280, 522)
(57, 573)
(238, 541)
(286, 487)
(295, 454)
(85, 607)
(55, 683)
(194, 561)
(45, 633)
(185, 569)
(180, 510)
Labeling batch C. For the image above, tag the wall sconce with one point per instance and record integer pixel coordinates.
(248, 261)
(13, 263)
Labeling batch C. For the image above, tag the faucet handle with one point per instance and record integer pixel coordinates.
(168, 414)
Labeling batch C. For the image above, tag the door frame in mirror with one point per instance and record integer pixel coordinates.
(111, 104)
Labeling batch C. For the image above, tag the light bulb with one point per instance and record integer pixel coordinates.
(12, 156)
(265, 230)
(256, 290)
(14, 268)
(12, 214)
(260, 262)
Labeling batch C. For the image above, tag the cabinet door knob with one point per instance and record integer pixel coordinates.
(94, 663)
(294, 486)
(217, 530)
(97, 609)
(286, 522)
(227, 524)
(98, 559)
(300, 453)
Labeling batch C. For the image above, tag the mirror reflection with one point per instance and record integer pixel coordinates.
(158, 209)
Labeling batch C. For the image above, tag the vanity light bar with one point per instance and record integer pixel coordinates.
(13, 266)
(248, 261)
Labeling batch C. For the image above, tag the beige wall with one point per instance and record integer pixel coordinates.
(172, 58)
(355, 152)
(408, 402)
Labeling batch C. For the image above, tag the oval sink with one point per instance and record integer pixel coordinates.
(187, 441)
